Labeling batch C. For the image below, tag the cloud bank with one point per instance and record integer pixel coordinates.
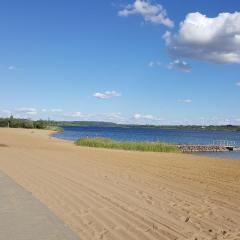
(153, 13)
(215, 40)
(56, 110)
(148, 118)
(26, 111)
(117, 117)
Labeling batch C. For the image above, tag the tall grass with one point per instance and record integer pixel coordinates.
(132, 146)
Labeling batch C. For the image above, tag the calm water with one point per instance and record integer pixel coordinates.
(153, 135)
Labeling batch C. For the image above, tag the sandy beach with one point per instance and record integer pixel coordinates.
(113, 194)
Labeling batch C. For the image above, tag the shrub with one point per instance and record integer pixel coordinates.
(40, 124)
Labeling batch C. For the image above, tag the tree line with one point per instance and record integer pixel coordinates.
(25, 123)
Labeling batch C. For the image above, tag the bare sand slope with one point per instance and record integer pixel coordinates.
(111, 194)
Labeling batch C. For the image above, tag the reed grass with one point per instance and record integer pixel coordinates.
(126, 145)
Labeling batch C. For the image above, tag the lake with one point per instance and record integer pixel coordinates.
(154, 135)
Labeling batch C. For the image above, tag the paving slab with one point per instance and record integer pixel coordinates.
(23, 217)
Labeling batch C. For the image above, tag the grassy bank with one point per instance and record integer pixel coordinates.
(132, 146)
(54, 128)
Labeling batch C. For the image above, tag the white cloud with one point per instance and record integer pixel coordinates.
(148, 118)
(106, 117)
(5, 113)
(180, 65)
(26, 111)
(75, 114)
(200, 37)
(110, 117)
(52, 110)
(187, 101)
(56, 110)
(107, 94)
(154, 13)
(154, 64)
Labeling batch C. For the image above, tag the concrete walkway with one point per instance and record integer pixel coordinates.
(23, 217)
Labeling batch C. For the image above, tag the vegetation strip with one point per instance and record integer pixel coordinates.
(12, 122)
(126, 145)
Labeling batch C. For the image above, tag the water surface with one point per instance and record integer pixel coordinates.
(154, 135)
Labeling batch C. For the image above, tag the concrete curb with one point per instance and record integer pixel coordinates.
(23, 217)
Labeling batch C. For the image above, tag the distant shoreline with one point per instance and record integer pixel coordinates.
(41, 124)
(230, 128)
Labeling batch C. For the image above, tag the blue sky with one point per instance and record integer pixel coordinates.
(124, 61)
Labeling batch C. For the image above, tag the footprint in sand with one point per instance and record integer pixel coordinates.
(3, 145)
(147, 198)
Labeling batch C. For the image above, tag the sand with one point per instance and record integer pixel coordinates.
(112, 194)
